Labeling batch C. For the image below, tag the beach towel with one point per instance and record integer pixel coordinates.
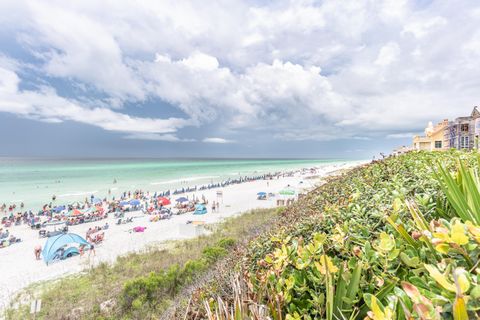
(139, 229)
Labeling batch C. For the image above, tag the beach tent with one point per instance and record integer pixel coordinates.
(200, 209)
(182, 199)
(163, 201)
(56, 242)
(135, 202)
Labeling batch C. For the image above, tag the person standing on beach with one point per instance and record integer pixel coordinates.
(37, 250)
(92, 249)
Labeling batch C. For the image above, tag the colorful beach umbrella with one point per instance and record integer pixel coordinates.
(135, 202)
(96, 200)
(76, 212)
(163, 201)
(182, 199)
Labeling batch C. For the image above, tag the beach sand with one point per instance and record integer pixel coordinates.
(20, 269)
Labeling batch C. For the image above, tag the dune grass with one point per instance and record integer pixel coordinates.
(121, 287)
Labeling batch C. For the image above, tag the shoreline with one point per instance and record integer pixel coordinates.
(22, 270)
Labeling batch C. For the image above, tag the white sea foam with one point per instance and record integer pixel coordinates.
(183, 180)
(77, 193)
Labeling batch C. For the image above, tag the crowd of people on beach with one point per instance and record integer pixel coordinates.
(93, 209)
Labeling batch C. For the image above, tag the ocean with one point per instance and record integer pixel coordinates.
(35, 181)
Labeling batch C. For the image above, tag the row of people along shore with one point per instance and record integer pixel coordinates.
(95, 209)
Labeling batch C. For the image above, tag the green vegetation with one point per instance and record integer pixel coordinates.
(395, 239)
(398, 239)
(141, 285)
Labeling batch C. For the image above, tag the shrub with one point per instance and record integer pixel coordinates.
(226, 243)
(212, 254)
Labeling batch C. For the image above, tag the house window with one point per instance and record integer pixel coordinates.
(438, 144)
(464, 127)
(463, 142)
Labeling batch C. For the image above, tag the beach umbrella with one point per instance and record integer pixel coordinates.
(76, 212)
(135, 202)
(59, 209)
(261, 194)
(124, 203)
(163, 201)
(96, 200)
(287, 192)
(182, 199)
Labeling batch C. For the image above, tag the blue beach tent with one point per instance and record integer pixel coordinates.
(56, 242)
(200, 209)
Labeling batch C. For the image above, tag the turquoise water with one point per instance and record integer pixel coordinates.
(34, 181)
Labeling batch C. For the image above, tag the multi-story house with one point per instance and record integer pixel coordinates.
(463, 132)
(434, 138)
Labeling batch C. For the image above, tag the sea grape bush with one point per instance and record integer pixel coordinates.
(397, 239)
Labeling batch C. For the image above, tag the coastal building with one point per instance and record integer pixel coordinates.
(461, 133)
(401, 150)
(435, 138)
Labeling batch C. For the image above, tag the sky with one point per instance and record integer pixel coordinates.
(289, 79)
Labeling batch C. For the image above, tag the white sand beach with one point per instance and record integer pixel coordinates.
(20, 269)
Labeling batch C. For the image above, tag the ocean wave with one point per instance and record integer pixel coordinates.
(183, 180)
(79, 193)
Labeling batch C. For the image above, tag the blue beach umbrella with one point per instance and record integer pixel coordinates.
(135, 202)
(124, 203)
(261, 194)
(96, 200)
(182, 199)
(59, 209)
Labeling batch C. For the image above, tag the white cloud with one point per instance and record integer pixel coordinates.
(217, 140)
(388, 54)
(294, 70)
(156, 137)
(45, 105)
(402, 135)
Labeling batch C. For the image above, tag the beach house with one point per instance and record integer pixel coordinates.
(434, 138)
(461, 133)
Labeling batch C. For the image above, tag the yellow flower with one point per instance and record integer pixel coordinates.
(325, 263)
